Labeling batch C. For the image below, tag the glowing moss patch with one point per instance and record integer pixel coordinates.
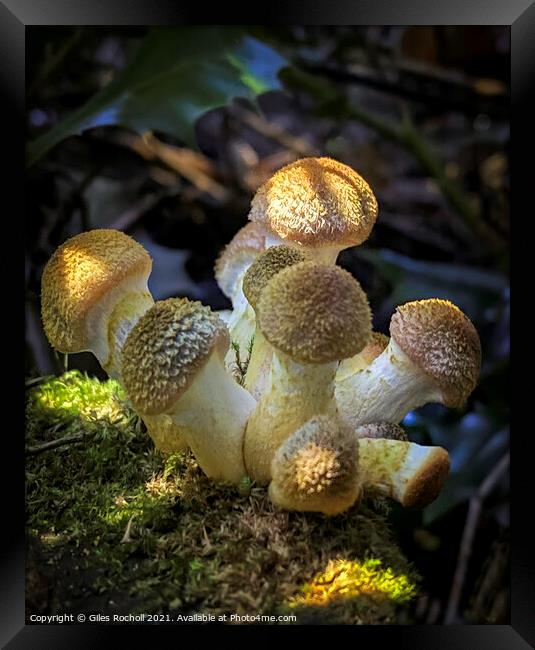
(346, 579)
(75, 395)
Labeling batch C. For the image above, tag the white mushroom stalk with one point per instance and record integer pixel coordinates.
(230, 268)
(409, 473)
(312, 315)
(434, 355)
(318, 205)
(173, 363)
(324, 467)
(362, 360)
(265, 267)
(94, 290)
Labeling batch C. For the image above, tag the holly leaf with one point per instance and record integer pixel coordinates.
(177, 75)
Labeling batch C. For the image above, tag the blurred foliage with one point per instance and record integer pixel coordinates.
(175, 77)
(421, 112)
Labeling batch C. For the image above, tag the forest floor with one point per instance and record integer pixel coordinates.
(116, 527)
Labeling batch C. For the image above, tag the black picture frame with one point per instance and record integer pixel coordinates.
(15, 17)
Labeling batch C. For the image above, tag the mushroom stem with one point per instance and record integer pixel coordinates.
(212, 415)
(362, 360)
(325, 467)
(257, 375)
(294, 394)
(124, 315)
(385, 391)
(241, 326)
(411, 474)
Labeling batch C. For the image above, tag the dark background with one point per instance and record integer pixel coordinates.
(423, 114)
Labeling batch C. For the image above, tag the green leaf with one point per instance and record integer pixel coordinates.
(177, 75)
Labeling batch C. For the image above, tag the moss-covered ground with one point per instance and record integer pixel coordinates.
(114, 526)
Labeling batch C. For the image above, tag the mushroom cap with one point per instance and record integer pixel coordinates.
(427, 484)
(386, 430)
(80, 273)
(237, 255)
(443, 343)
(265, 267)
(318, 466)
(376, 345)
(315, 313)
(316, 202)
(166, 349)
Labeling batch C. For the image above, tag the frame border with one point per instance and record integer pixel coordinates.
(15, 16)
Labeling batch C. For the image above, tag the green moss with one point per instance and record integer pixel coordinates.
(116, 527)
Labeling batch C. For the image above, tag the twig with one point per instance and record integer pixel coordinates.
(52, 444)
(474, 511)
(272, 131)
(437, 88)
(126, 537)
(190, 164)
(52, 61)
(406, 136)
(129, 217)
(37, 380)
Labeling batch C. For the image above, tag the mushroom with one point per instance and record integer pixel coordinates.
(265, 267)
(317, 204)
(324, 467)
(363, 359)
(434, 355)
(312, 315)
(316, 468)
(173, 363)
(94, 289)
(409, 473)
(229, 269)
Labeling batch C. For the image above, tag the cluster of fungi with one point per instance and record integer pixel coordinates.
(317, 414)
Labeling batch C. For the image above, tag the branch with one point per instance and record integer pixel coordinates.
(407, 136)
(404, 135)
(53, 444)
(474, 511)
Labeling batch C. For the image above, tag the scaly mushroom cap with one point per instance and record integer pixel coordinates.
(265, 267)
(317, 465)
(239, 253)
(315, 313)
(386, 430)
(443, 343)
(166, 349)
(79, 275)
(316, 202)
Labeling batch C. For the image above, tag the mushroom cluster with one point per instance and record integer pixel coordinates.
(317, 415)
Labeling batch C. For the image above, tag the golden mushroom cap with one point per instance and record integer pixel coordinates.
(166, 349)
(443, 343)
(316, 202)
(239, 253)
(80, 273)
(265, 267)
(315, 313)
(319, 462)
